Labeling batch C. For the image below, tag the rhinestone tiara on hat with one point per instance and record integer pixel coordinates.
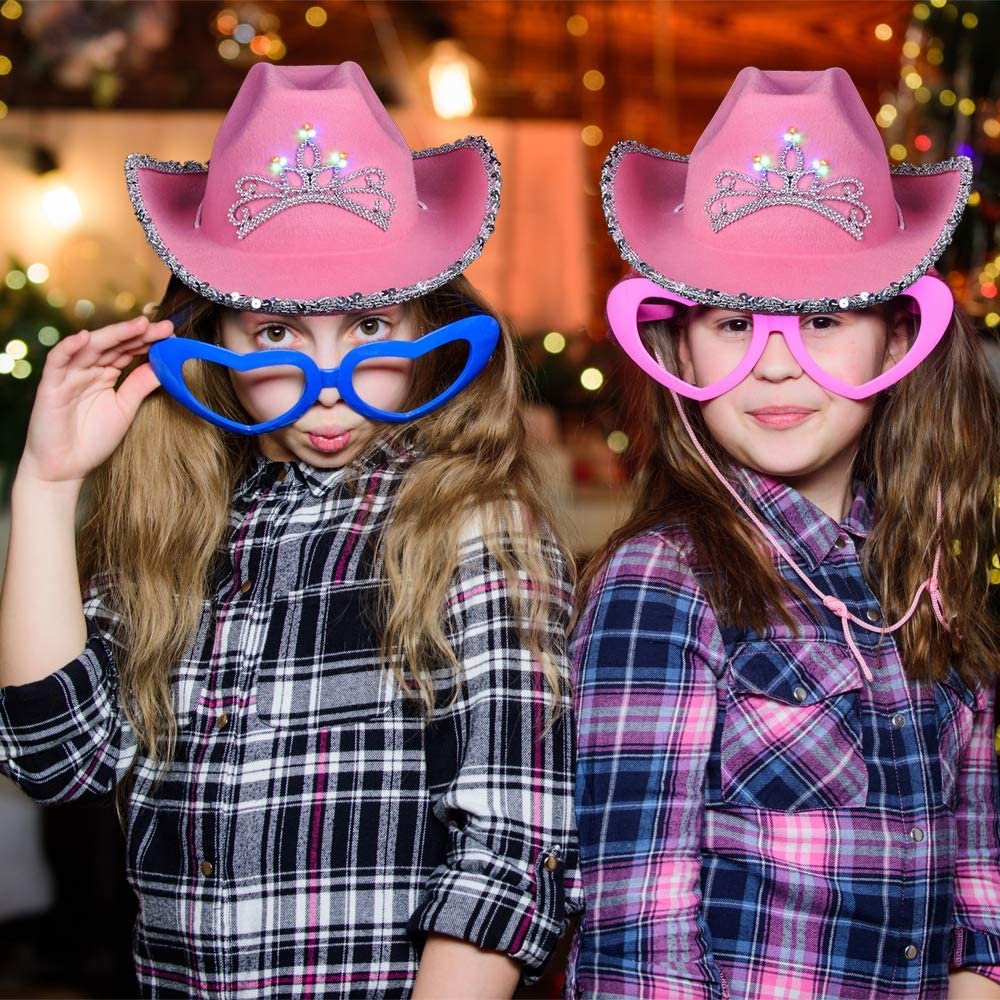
(789, 184)
(361, 192)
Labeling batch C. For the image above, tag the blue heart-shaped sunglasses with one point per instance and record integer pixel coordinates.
(167, 358)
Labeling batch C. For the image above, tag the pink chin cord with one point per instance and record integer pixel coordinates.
(830, 602)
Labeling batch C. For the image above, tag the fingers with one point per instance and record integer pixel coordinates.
(139, 384)
(110, 338)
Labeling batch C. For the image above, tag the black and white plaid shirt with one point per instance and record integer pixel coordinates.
(313, 827)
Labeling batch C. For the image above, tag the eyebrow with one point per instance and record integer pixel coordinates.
(248, 318)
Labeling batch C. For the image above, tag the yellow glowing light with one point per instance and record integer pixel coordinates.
(974, 198)
(577, 25)
(947, 97)
(967, 106)
(913, 80)
(38, 273)
(992, 320)
(554, 342)
(618, 441)
(56, 299)
(229, 48)
(277, 49)
(897, 151)
(61, 206)
(16, 349)
(922, 94)
(6, 364)
(935, 57)
(592, 135)
(970, 20)
(883, 32)
(911, 49)
(124, 301)
(84, 308)
(994, 580)
(11, 10)
(449, 75)
(5, 65)
(22, 369)
(16, 279)
(592, 379)
(921, 11)
(593, 79)
(315, 17)
(991, 127)
(938, 3)
(3, 110)
(48, 335)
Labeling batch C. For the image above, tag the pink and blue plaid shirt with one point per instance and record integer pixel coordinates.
(755, 820)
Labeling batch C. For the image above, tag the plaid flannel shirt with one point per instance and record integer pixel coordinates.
(755, 820)
(312, 827)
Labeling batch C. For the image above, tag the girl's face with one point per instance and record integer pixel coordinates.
(778, 420)
(329, 434)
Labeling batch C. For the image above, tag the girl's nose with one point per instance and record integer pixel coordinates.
(328, 397)
(776, 363)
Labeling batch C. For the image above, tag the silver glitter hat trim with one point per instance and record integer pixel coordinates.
(351, 302)
(771, 304)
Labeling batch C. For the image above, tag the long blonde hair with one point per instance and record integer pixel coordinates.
(158, 512)
(940, 424)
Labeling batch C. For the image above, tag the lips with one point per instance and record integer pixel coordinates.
(329, 440)
(780, 417)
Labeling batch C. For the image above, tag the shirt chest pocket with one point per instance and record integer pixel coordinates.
(956, 705)
(792, 736)
(321, 665)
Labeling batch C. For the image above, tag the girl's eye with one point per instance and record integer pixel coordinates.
(275, 335)
(372, 327)
(822, 322)
(736, 325)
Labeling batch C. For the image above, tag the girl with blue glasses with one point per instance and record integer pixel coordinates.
(312, 628)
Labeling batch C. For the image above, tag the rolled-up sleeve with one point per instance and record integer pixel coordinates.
(64, 736)
(977, 868)
(646, 710)
(501, 772)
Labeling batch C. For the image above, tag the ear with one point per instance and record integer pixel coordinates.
(898, 339)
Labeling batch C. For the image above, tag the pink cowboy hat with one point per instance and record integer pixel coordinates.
(312, 201)
(787, 203)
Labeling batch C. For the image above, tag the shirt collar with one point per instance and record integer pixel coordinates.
(808, 531)
(298, 476)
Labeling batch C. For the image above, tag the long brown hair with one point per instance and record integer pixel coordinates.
(938, 425)
(158, 511)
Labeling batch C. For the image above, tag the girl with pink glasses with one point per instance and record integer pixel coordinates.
(785, 663)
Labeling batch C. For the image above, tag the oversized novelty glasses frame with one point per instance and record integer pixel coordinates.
(637, 300)
(167, 357)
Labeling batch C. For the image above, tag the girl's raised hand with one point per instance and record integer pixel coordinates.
(78, 418)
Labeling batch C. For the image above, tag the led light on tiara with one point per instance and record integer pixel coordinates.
(278, 164)
(761, 161)
(306, 132)
(822, 167)
(337, 159)
(793, 135)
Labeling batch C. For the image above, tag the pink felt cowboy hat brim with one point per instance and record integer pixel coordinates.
(458, 191)
(643, 187)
